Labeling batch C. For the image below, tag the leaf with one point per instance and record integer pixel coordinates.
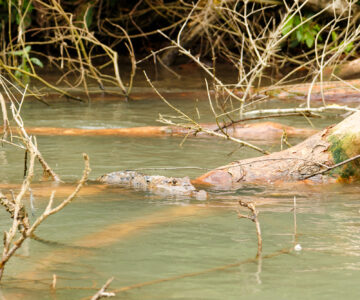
(18, 74)
(309, 40)
(17, 53)
(36, 61)
(349, 47)
(25, 68)
(18, 19)
(333, 36)
(299, 35)
(317, 27)
(89, 16)
(297, 21)
(21, 52)
(287, 26)
(27, 49)
(293, 43)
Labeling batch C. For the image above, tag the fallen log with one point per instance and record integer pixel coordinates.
(332, 91)
(344, 70)
(314, 160)
(311, 160)
(256, 131)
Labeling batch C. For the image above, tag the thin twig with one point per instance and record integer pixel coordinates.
(295, 223)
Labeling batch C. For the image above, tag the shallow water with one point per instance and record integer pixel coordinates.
(182, 248)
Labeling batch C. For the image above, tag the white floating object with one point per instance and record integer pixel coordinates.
(297, 247)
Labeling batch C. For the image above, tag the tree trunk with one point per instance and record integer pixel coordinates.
(320, 152)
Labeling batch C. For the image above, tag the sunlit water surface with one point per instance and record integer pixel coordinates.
(180, 248)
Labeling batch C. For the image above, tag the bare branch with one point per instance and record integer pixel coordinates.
(101, 293)
(254, 217)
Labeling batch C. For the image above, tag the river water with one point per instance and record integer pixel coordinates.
(174, 248)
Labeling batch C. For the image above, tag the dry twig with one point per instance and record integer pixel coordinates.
(254, 217)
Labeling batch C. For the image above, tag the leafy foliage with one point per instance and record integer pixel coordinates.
(24, 54)
(349, 46)
(301, 30)
(16, 12)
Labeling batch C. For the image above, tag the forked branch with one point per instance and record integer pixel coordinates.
(253, 217)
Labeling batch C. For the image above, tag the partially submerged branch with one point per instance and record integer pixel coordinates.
(20, 221)
(19, 214)
(254, 217)
(101, 293)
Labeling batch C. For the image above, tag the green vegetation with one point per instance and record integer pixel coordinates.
(25, 62)
(85, 38)
(302, 31)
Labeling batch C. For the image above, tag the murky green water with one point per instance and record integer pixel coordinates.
(183, 249)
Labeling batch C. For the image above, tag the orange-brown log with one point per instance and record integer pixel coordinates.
(135, 131)
(255, 131)
(44, 189)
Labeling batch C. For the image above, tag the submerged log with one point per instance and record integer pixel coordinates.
(256, 131)
(309, 160)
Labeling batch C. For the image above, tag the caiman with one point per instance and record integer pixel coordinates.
(160, 185)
